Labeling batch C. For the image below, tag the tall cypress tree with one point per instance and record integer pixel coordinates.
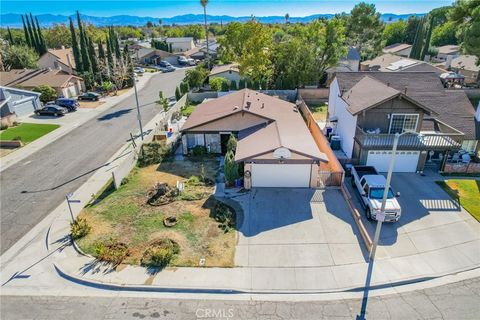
(92, 55)
(33, 40)
(101, 52)
(27, 35)
(10, 37)
(87, 67)
(109, 52)
(428, 37)
(76, 51)
(43, 45)
(418, 41)
(38, 46)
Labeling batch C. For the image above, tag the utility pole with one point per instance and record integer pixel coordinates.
(139, 116)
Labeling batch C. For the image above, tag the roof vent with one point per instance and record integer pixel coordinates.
(235, 108)
(388, 84)
(405, 90)
(263, 105)
(248, 105)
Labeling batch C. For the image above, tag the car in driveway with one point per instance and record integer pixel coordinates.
(51, 110)
(371, 186)
(70, 104)
(139, 70)
(89, 96)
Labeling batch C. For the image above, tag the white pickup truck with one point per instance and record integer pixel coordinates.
(371, 186)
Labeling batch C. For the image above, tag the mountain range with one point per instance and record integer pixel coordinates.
(14, 20)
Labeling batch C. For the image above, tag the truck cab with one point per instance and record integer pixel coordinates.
(371, 186)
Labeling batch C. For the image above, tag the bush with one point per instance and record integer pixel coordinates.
(225, 216)
(178, 95)
(160, 254)
(153, 153)
(233, 85)
(107, 86)
(230, 168)
(242, 84)
(218, 84)
(113, 252)
(47, 93)
(199, 151)
(79, 228)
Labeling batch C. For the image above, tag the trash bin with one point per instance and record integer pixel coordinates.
(335, 143)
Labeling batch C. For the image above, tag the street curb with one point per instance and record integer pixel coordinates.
(158, 288)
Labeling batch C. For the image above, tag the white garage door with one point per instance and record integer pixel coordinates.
(405, 161)
(281, 175)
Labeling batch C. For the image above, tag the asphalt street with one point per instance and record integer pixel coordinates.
(35, 186)
(452, 301)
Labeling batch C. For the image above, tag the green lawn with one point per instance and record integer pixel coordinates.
(319, 111)
(27, 132)
(466, 191)
(188, 110)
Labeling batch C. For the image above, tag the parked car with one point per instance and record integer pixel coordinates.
(138, 70)
(51, 110)
(91, 96)
(183, 61)
(371, 186)
(70, 104)
(171, 101)
(192, 62)
(165, 66)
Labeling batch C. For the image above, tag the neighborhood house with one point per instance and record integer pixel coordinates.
(180, 44)
(58, 59)
(366, 110)
(274, 143)
(399, 49)
(17, 101)
(226, 71)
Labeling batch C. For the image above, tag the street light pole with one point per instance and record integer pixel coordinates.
(139, 116)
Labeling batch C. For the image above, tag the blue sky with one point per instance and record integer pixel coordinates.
(170, 8)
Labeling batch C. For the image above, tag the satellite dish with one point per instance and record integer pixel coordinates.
(282, 153)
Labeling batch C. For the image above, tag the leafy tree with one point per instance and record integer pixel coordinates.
(232, 143)
(242, 84)
(364, 30)
(395, 32)
(196, 77)
(184, 87)
(47, 93)
(178, 95)
(163, 101)
(412, 26)
(218, 84)
(19, 57)
(466, 15)
(204, 5)
(444, 34)
(57, 36)
(233, 85)
(76, 50)
(230, 168)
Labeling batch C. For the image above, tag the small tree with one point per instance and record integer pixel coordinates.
(196, 77)
(178, 95)
(225, 85)
(233, 85)
(217, 84)
(19, 57)
(232, 143)
(163, 101)
(230, 168)
(242, 84)
(47, 93)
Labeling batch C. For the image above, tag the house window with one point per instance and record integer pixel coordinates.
(403, 122)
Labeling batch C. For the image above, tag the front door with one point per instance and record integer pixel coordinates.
(223, 141)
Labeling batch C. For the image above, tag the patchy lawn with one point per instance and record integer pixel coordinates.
(319, 111)
(27, 132)
(90, 104)
(124, 216)
(467, 192)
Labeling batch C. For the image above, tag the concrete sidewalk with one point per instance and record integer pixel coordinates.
(67, 123)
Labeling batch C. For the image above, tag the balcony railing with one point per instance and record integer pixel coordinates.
(424, 141)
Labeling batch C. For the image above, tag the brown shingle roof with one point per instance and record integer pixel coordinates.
(31, 78)
(224, 68)
(396, 47)
(451, 106)
(284, 126)
(466, 62)
(392, 63)
(448, 49)
(62, 54)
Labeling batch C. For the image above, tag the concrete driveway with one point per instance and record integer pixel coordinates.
(433, 227)
(297, 228)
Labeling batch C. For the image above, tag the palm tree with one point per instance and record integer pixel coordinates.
(204, 5)
(287, 16)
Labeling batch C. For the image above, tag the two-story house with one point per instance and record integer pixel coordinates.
(366, 109)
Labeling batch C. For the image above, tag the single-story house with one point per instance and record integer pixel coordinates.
(393, 63)
(67, 85)
(153, 56)
(58, 59)
(366, 109)
(444, 52)
(399, 49)
(466, 65)
(180, 44)
(274, 143)
(18, 101)
(226, 71)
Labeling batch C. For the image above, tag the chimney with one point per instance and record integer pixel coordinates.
(405, 90)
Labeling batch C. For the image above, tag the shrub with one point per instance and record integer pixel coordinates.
(160, 254)
(152, 153)
(79, 228)
(230, 168)
(113, 252)
(47, 93)
(218, 84)
(242, 84)
(107, 86)
(232, 143)
(225, 216)
(199, 151)
(17, 138)
(178, 95)
(233, 85)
